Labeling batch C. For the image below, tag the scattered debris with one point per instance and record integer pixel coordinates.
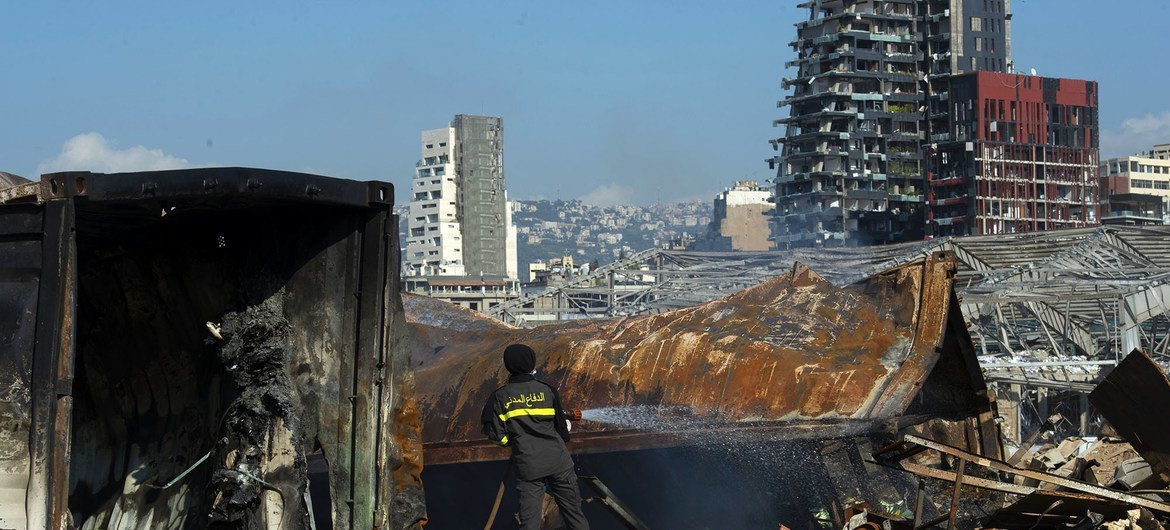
(1126, 398)
(1085, 482)
(262, 430)
(606, 498)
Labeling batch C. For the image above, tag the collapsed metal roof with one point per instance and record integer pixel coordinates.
(795, 356)
(1059, 295)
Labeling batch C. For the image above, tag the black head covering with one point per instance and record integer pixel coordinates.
(519, 359)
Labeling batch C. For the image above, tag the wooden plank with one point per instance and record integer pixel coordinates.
(1049, 478)
(950, 476)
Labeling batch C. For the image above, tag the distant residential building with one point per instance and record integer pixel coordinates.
(850, 171)
(741, 220)
(1144, 174)
(553, 273)
(1133, 209)
(460, 216)
(1161, 152)
(1018, 153)
(473, 292)
(537, 269)
(434, 244)
(683, 242)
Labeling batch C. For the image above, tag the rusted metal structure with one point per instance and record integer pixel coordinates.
(749, 391)
(1047, 311)
(794, 357)
(180, 344)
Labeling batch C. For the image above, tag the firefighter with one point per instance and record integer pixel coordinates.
(526, 415)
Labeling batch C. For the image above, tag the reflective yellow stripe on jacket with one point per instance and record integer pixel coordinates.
(502, 442)
(527, 412)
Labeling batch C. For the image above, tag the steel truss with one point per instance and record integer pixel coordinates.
(1090, 293)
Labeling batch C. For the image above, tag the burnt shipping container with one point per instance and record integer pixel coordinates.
(201, 348)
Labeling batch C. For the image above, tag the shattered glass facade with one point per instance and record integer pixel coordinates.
(850, 171)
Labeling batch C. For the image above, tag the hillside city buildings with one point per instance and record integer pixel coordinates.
(851, 168)
(1012, 153)
(461, 242)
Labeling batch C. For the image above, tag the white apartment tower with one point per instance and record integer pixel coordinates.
(460, 216)
(434, 244)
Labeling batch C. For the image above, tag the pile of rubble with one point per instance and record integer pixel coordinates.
(1106, 461)
(1116, 481)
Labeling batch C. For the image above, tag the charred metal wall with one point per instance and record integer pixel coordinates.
(144, 418)
(787, 357)
(285, 381)
(36, 286)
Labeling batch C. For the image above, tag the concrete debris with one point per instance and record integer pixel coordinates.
(1106, 455)
(1133, 474)
(1134, 520)
(1057, 456)
(1078, 482)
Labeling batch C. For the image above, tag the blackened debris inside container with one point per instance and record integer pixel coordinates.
(262, 429)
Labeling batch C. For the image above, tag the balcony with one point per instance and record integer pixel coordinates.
(866, 194)
(950, 201)
(832, 152)
(905, 136)
(810, 236)
(815, 194)
(947, 221)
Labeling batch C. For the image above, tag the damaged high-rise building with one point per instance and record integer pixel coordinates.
(851, 170)
(1012, 153)
(460, 217)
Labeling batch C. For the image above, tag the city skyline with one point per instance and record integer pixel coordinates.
(599, 103)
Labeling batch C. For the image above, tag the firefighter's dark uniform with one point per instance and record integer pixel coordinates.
(526, 415)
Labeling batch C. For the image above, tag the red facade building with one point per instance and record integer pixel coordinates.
(1012, 153)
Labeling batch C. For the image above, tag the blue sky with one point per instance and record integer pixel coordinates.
(636, 102)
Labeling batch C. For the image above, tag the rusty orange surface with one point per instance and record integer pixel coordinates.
(793, 353)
